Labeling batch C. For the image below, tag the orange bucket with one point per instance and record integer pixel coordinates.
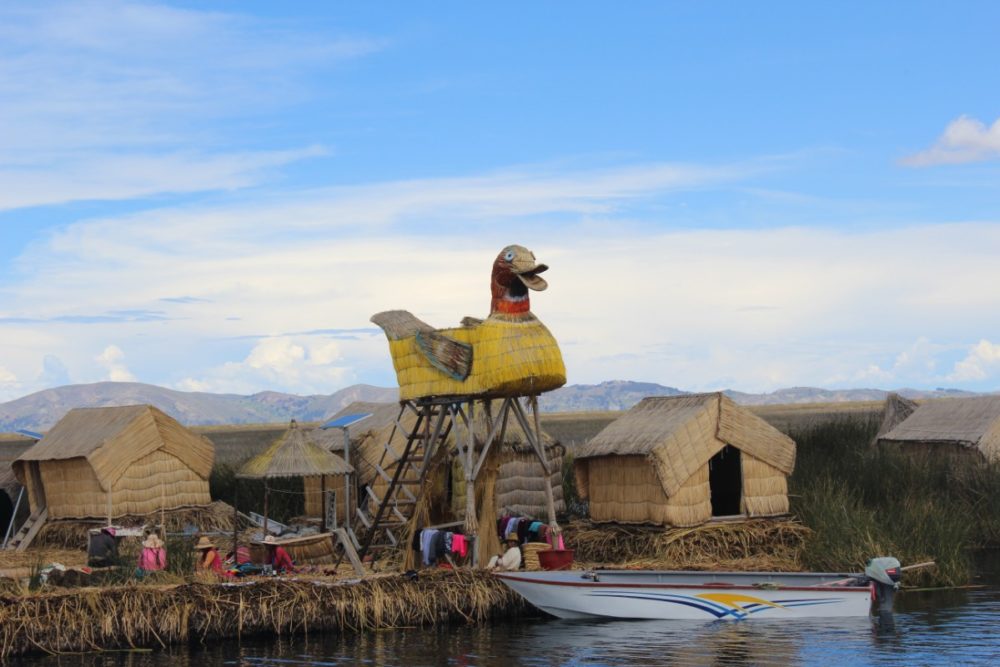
(555, 559)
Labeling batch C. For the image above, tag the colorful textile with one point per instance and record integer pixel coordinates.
(281, 561)
(426, 543)
(153, 558)
(459, 545)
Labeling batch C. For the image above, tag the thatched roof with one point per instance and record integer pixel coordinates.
(968, 422)
(294, 455)
(682, 433)
(111, 439)
(897, 409)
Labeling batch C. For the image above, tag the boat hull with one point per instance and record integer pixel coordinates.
(689, 595)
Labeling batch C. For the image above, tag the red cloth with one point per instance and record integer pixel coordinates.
(211, 560)
(281, 561)
(459, 545)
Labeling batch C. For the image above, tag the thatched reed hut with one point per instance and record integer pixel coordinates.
(681, 460)
(111, 462)
(295, 454)
(963, 426)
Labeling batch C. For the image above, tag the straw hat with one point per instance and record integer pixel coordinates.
(270, 541)
(204, 543)
(512, 537)
(152, 542)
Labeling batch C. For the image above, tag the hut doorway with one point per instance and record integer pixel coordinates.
(6, 512)
(725, 480)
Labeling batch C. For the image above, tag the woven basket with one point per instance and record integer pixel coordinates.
(531, 550)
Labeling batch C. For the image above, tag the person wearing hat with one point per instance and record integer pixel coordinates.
(208, 556)
(511, 559)
(103, 548)
(277, 556)
(153, 555)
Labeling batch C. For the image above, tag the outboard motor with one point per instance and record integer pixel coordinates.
(884, 574)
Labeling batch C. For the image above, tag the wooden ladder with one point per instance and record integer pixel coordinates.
(29, 530)
(392, 512)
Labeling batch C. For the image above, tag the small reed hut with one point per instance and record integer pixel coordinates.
(112, 462)
(295, 454)
(962, 426)
(682, 460)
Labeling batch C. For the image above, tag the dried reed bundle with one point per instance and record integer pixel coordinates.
(212, 518)
(530, 551)
(147, 616)
(754, 544)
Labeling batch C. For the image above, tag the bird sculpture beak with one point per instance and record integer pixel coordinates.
(527, 269)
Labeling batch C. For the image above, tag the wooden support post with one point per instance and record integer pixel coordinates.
(322, 503)
(236, 522)
(266, 493)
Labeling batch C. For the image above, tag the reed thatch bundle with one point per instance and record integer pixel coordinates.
(762, 544)
(146, 616)
(530, 552)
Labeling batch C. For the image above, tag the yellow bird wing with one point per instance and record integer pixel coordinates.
(451, 357)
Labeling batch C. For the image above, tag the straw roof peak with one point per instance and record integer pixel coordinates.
(295, 454)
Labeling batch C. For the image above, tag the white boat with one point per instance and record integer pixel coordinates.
(651, 594)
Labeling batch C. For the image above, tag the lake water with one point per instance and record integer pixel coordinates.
(929, 628)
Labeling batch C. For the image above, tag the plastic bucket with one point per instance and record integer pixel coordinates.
(555, 559)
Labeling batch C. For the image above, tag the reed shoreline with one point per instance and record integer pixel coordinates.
(138, 616)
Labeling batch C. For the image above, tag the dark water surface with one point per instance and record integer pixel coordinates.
(929, 628)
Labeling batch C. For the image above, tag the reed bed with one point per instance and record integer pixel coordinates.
(156, 616)
(917, 505)
(761, 544)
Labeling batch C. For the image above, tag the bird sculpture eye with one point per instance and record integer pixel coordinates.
(509, 256)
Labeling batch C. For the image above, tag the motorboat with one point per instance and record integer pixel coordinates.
(666, 594)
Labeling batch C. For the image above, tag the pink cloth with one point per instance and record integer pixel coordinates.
(459, 545)
(153, 558)
(558, 544)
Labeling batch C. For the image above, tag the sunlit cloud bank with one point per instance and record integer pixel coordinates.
(277, 294)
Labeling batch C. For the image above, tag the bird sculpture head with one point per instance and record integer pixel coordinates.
(515, 271)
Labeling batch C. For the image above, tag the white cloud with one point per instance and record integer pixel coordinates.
(113, 359)
(982, 362)
(6, 377)
(698, 309)
(964, 140)
(296, 364)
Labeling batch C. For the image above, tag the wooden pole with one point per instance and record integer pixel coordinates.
(236, 521)
(540, 449)
(266, 493)
(322, 503)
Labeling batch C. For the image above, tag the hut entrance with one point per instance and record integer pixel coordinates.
(6, 512)
(725, 479)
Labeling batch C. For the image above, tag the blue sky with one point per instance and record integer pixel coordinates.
(217, 196)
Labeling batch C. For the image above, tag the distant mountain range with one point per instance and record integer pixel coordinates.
(39, 411)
